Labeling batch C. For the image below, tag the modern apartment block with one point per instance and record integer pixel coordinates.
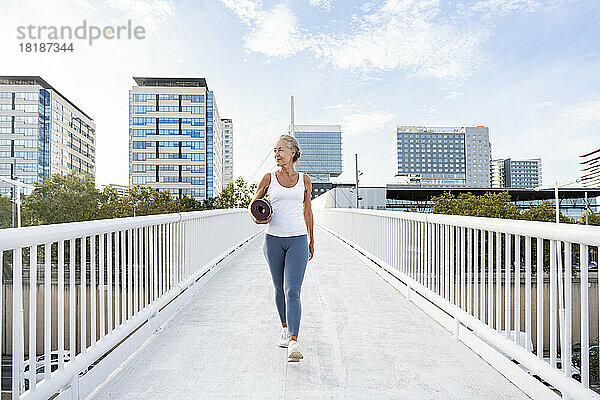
(176, 138)
(497, 179)
(516, 174)
(42, 132)
(228, 152)
(590, 169)
(440, 156)
(321, 147)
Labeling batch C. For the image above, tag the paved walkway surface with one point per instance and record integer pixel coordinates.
(361, 339)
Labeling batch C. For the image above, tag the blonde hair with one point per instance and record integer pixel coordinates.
(292, 145)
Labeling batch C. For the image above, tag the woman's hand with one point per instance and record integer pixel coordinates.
(258, 221)
(311, 250)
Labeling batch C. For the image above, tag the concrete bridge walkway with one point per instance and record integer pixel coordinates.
(361, 339)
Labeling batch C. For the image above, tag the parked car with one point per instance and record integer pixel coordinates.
(593, 359)
(39, 373)
(40, 367)
(39, 360)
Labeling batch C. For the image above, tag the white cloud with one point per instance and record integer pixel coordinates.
(406, 35)
(505, 7)
(427, 111)
(357, 124)
(324, 5)
(273, 32)
(348, 106)
(498, 8)
(585, 112)
(339, 106)
(453, 94)
(246, 10)
(148, 12)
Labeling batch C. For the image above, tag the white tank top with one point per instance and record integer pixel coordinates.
(288, 208)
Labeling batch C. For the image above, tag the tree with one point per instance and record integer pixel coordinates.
(5, 212)
(593, 218)
(62, 198)
(188, 203)
(111, 205)
(493, 205)
(208, 203)
(235, 195)
(73, 197)
(545, 212)
(144, 200)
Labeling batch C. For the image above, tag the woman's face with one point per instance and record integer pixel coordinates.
(282, 152)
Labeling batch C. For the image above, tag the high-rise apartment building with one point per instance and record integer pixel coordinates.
(42, 132)
(497, 179)
(516, 174)
(321, 147)
(439, 156)
(228, 151)
(590, 169)
(176, 138)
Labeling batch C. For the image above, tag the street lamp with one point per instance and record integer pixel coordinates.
(556, 186)
(17, 187)
(561, 307)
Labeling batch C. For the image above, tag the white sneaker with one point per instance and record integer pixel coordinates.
(294, 354)
(283, 338)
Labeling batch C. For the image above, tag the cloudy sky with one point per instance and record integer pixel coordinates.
(527, 69)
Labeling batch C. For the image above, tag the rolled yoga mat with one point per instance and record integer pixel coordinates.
(261, 209)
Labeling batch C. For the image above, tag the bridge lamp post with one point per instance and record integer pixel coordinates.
(555, 187)
(561, 307)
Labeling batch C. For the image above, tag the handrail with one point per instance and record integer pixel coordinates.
(127, 268)
(29, 235)
(589, 234)
(480, 271)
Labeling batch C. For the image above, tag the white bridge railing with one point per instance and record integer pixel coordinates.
(97, 285)
(480, 278)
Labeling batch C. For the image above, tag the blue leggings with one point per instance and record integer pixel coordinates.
(287, 258)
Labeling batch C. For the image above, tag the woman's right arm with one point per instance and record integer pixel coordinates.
(261, 191)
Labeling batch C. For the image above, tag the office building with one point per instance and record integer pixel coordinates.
(517, 174)
(176, 138)
(121, 190)
(228, 152)
(42, 132)
(321, 147)
(590, 169)
(439, 156)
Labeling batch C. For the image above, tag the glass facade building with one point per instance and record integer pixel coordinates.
(321, 147)
(175, 137)
(518, 174)
(228, 151)
(42, 132)
(439, 156)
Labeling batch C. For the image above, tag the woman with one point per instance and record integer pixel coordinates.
(287, 247)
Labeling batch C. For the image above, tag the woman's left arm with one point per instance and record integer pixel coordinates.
(308, 215)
